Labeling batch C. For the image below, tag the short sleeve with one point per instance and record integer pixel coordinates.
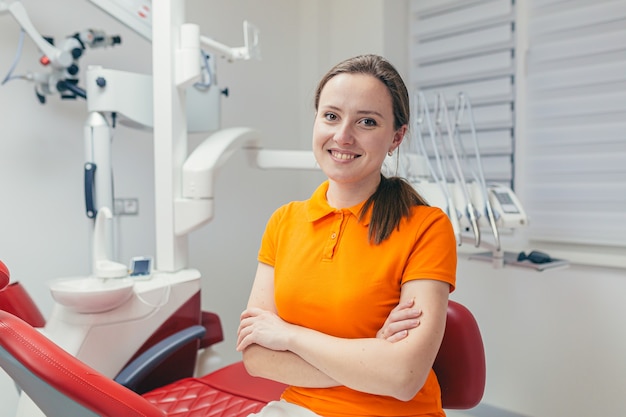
(269, 241)
(434, 253)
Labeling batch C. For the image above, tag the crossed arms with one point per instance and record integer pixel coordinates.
(396, 363)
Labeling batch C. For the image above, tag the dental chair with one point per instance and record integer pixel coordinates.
(63, 386)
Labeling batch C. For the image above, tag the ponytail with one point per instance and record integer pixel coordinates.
(391, 202)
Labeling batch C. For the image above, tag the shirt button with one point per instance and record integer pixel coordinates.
(333, 236)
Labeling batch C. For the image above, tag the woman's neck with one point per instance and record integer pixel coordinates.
(342, 195)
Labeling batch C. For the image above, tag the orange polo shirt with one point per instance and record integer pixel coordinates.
(328, 277)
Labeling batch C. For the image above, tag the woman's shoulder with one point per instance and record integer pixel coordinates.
(290, 207)
(290, 210)
(422, 211)
(429, 216)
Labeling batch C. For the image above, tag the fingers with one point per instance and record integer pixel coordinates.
(399, 329)
(258, 326)
(406, 314)
(404, 311)
(251, 312)
(247, 318)
(243, 342)
(245, 327)
(401, 319)
(404, 305)
(396, 337)
(245, 333)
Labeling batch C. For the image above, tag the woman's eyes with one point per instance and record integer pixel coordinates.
(368, 122)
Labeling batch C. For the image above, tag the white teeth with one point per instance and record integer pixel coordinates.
(344, 156)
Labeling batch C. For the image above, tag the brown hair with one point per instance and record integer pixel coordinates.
(394, 197)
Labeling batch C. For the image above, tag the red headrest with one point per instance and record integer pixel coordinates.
(4, 276)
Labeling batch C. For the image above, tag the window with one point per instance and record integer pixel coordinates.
(575, 149)
(555, 127)
(469, 46)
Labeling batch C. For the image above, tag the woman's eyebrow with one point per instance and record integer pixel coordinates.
(370, 112)
(359, 112)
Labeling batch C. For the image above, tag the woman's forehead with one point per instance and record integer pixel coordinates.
(356, 89)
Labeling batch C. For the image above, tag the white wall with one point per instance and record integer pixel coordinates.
(554, 340)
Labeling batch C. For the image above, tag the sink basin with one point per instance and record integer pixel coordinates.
(91, 294)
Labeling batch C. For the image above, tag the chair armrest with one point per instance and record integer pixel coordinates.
(214, 333)
(135, 371)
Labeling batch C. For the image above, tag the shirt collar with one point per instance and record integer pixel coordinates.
(318, 207)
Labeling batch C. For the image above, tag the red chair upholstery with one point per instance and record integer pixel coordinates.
(227, 392)
(4, 276)
(15, 300)
(61, 385)
(57, 382)
(460, 364)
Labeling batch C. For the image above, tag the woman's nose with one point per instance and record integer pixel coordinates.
(344, 134)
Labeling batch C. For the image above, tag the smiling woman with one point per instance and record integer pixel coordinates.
(349, 300)
(353, 133)
(366, 99)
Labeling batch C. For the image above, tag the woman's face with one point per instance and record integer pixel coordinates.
(354, 129)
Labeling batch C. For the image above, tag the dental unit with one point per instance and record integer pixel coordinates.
(92, 312)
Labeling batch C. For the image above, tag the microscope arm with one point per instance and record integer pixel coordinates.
(58, 59)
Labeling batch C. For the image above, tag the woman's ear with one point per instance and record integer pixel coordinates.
(398, 137)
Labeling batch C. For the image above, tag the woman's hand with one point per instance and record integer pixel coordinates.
(264, 328)
(258, 326)
(401, 319)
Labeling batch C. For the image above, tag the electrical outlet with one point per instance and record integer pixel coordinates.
(126, 206)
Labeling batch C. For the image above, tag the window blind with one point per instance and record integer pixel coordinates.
(575, 149)
(469, 46)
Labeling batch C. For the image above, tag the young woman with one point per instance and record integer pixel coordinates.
(349, 301)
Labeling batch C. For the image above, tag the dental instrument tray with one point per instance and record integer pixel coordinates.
(536, 260)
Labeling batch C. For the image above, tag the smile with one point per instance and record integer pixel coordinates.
(343, 156)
